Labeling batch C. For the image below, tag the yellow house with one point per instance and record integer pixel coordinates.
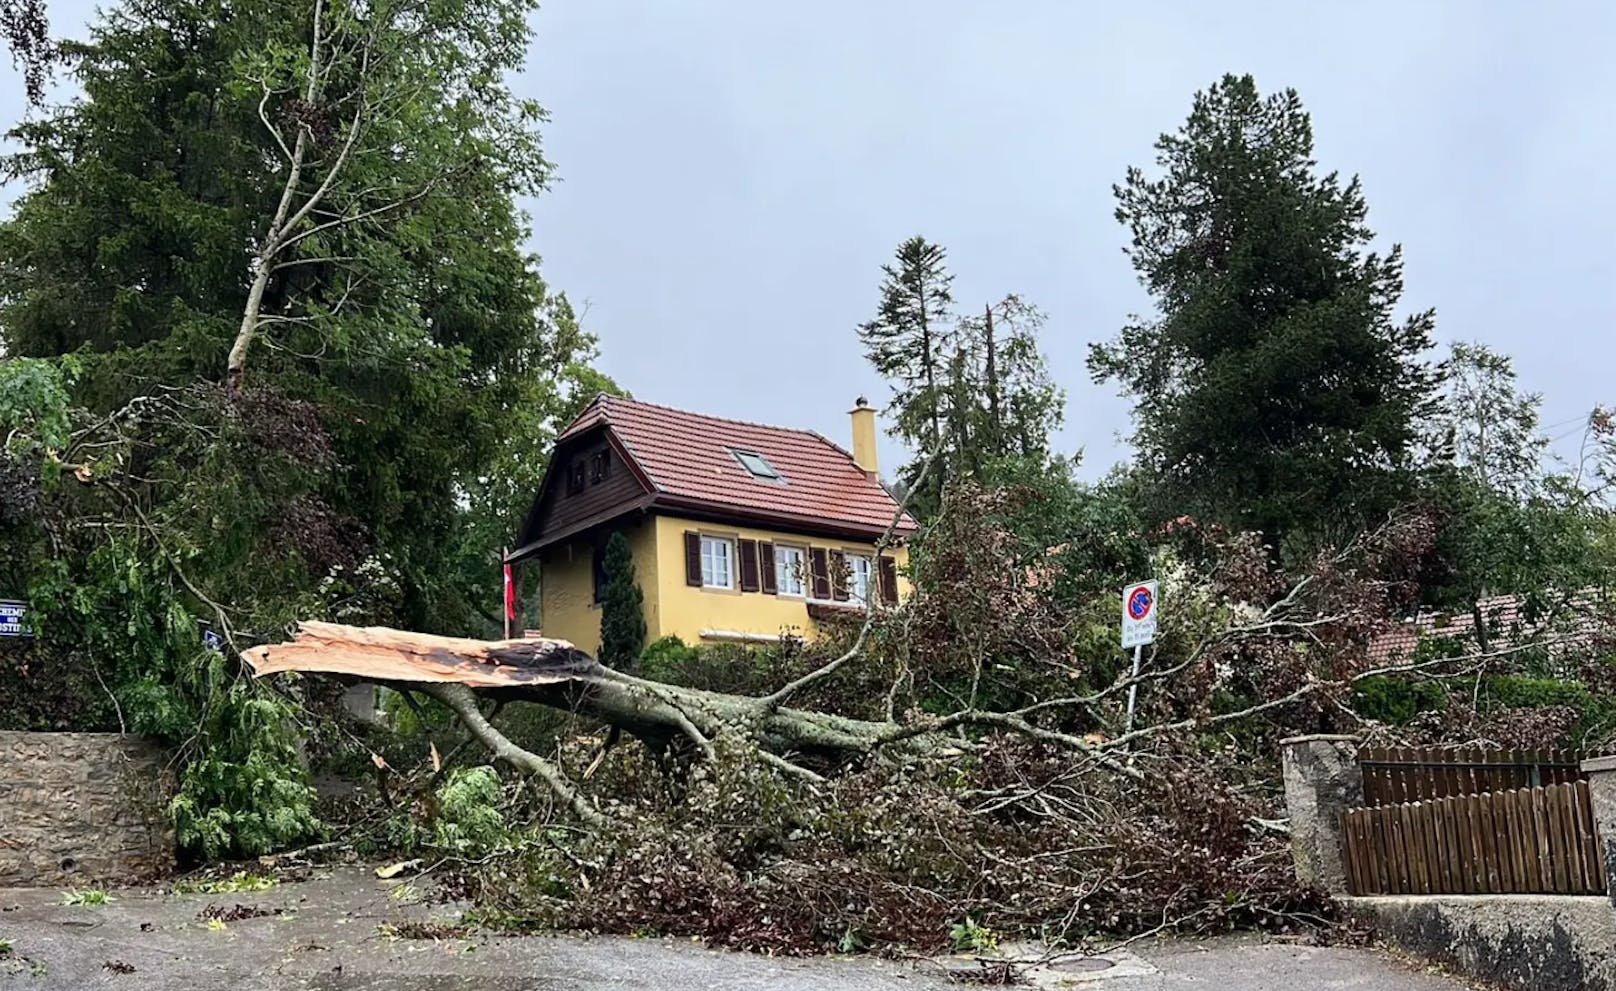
(740, 532)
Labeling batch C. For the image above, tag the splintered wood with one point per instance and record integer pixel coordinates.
(377, 653)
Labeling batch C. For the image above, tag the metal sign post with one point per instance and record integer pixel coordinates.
(1138, 629)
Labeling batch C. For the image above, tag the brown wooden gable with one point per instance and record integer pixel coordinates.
(589, 482)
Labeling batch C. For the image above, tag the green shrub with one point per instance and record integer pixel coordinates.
(723, 667)
(469, 822)
(665, 655)
(1519, 692)
(1389, 699)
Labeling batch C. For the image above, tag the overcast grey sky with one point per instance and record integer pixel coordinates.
(732, 175)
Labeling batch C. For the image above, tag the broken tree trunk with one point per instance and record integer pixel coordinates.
(557, 674)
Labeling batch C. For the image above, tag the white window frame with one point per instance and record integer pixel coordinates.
(785, 575)
(856, 593)
(710, 560)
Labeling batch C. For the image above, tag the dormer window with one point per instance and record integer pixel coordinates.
(758, 465)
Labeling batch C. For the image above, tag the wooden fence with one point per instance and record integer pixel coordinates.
(1522, 841)
(1394, 775)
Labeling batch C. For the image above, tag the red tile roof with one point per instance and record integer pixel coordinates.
(1580, 627)
(689, 457)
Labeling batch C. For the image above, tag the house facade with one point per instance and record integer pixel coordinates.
(740, 532)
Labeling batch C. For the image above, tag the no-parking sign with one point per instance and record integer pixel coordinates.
(1138, 614)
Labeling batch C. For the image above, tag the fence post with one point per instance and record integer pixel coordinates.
(1601, 773)
(1322, 781)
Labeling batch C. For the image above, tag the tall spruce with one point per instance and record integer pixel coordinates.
(622, 607)
(911, 342)
(1275, 389)
(968, 391)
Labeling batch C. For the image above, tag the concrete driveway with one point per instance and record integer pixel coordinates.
(345, 931)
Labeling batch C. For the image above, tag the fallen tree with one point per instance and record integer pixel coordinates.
(799, 741)
(952, 767)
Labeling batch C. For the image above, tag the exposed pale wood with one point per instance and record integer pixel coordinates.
(377, 653)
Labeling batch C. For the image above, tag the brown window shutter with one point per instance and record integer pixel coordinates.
(749, 564)
(692, 558)
(889, 581)
(766, 563)
(819, 572)
(838, 576)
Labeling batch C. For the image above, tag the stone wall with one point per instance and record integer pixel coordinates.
(1535, 942)
(77, 807)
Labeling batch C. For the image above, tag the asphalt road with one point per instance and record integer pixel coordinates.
(338, 933)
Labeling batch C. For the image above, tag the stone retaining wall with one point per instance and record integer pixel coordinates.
(76, 807)
(1535, 942)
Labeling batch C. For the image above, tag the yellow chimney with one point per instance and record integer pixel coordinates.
(864, 436)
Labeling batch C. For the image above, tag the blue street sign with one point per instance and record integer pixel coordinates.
(212, 640)
(11, 619)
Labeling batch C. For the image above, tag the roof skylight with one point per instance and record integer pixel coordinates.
(758, 465)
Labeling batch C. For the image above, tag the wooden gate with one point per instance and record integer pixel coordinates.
(1522, 841)
(1392, 775)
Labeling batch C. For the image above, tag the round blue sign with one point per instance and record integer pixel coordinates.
(1139, 603)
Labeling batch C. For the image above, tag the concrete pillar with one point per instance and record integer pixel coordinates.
(1601, 773)
(1322, 781)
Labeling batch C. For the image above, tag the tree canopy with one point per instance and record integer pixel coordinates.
(969, 392)
(1275, 389)
(279, 351)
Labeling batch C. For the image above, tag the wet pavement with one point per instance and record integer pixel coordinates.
(346, 931)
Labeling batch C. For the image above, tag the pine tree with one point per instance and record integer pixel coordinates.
(622, 607)
(1274, 390)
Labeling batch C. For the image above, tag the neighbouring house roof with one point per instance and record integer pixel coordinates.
(687, 464)
(1581, 621)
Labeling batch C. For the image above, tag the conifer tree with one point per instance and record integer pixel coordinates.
(622, 607)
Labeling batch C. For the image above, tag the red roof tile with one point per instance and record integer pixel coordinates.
(1579, 626)
(690, 456)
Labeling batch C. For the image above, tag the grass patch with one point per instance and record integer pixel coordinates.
(88, 896)
(234, 884)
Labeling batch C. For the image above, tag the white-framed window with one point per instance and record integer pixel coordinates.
(860, 578)
(790, 570)
(717, 562)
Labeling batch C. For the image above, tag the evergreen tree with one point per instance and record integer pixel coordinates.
(271, 259)
(1275, 389)
(622, 607)
(911, 341)
(967, 392)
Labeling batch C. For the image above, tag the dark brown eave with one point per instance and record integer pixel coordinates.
(810, 526)
(580, 528)
(712, 512)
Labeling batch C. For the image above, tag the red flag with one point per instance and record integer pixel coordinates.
(510, 593)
